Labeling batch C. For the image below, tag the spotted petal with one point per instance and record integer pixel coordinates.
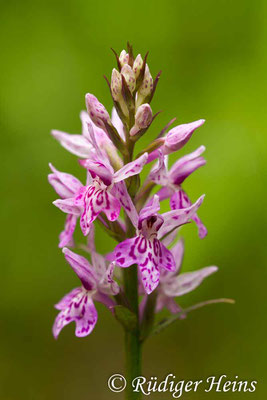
(130, 169)
(66, 236)
(175, 218)
(166, 260)
(98, 168)
(159, 174)
(96, 201)
(107, 284)
(185, 283)
(75, 144)
(180, 200)
(65, 185)
(148, 254)
(121, 193)
(79, 309)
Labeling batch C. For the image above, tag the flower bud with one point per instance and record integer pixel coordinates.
(129, 76)
(124, 58)
(137, 66)
(116, 85)
(178, 136)
(147, 84)
(146, 87)
(96, 111)
(116, 91)
(143, 119)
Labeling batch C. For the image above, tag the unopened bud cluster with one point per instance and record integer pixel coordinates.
(131, 89)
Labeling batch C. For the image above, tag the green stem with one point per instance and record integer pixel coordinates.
(133, 345)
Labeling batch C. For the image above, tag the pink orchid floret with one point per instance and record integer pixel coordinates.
(176, 138)
(78, 305)
(173, 284)
(145, 249)
(171, 181)
(100, 194)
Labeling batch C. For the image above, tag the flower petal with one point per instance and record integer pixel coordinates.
(68, 206)
(186, 165)
(66, 236)
(178, 136)
(64, 302)
(99, 264)
(180, 200)
(85, 119)
(116, 121)
(175, 218)
(91, 239)
(170, 238)
(121, 193)
(130, 169)
(168, 302)
(123, 254)
(96, 111)
(104, 299)
(187, 282)
(166, 260)
(150, 209)
(159, 174)
(149, 273)
(144, 252)
(177, 253)
(81, 310)
(112, 208)
(164, 193)
(75, 144)
(65, 185)
(107, 284)
(98, 168)
(96, 201)
(82, 268)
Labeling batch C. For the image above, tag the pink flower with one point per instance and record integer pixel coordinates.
(145, 249)
(101, 194)
(78, 305)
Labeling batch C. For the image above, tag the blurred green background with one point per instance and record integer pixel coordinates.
(213, 58)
